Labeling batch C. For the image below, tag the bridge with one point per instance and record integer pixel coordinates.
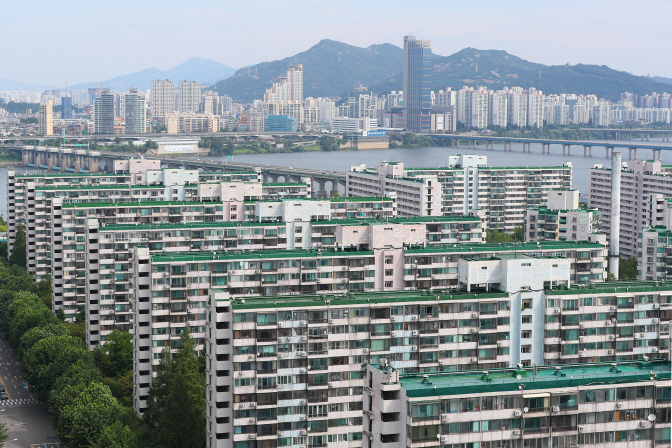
(111, 137)
(626, 134)
(587, 145)
(67, 160)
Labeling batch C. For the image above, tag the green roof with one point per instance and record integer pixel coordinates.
(167, 257)
(501, 380)
(72, 175)
(354, 298)
(146, 203)
(485, 168)
(508, 247)
(284, 184)
(613, 288)
(362, 199)
(100, 187)
(189, 225)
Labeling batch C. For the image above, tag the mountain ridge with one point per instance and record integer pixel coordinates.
(324, 73)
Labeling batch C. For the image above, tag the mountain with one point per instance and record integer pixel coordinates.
(330, 68)
(10, 84)
(662, 79)
(496, 69)
(205, 71)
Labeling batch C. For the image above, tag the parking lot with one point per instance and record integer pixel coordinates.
(28, 422)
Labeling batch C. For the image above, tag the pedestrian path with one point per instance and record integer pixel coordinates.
(18, 402)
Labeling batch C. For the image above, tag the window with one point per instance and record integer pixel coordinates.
(389, 272)
(525, 349)
(388, 284)
(389, 260)
(526, 319)
(527, 334)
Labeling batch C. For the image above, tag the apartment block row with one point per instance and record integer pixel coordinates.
(182, 281)
(625, 403)
(288, 371)
(501, 195)
(98, 269)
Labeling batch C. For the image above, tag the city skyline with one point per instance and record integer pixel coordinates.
(519, 28)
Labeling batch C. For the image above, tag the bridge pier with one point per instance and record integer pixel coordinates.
(568, 148)
(321, 191)
(634, 150)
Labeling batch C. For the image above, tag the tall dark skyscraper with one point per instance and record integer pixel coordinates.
(417, 83)
(66, 107)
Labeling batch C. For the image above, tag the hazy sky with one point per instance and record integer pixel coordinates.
(44, 42)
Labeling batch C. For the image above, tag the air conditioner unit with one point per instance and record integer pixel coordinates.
(654, 349)
(304, 402)
(281, 325)
(304, 432)
(253, 405)
(644, 424)
(558, 311)
(656, 320)
(444, 439)
(304, 338)
(516, 432)
(474, 315)
(252, 420)
(636, 336)
(619, 405)
(241, 373)
(581, 428)
(232, 272)
(241, 406)
(251, 436)
(473, 330)
(302, 370)
(414, 348)
(366, 350)
(444, 417)
(555, 409)
(612, 336)
(282, 340)
(303, 323)
(304, 417)
(474, 359)
(440, 361)
(416, 332)
(393, 319)
(582, 338)
(415, 317)
(612, 308)
(500, 343)
(330, 384)
(582, 325)
(656, 305)
(393, 334)
(280, 433)
(331, 321)
(300, 353)
(610, 352)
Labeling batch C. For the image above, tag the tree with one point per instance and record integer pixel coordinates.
(119, 351)
(116, 436)
(33, 335)
(3, 434)
(44, 291)
(183, 419)
(627, 268)
(18, 257)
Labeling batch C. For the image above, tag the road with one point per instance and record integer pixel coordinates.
(28, 422)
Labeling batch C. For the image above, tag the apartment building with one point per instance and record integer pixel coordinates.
(188, 277)
(627, 404)
(106, 249)
(162, 99)
(654, 254)
(281, 190)
(501, 195)
(266, 351)
(561, 219)
(644, 184)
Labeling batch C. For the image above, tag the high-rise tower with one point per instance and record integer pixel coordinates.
(417, 83)
(103, 113)
(163, 99)
(136, 114)
(46, 121)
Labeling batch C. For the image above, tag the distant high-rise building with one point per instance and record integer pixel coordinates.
(46, 121)
(190, 96)
(295, 79)
(66, 107)
(136, 113)
(163, 99)
(103, 113)
(417, 83)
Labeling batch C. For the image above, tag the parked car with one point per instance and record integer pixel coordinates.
(3, 395)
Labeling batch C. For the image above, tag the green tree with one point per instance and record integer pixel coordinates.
(18, 257)
(115, 357)
(495, 236)
(183, 419)
(117, 435)
(627, 268)
(44, 291)
(3, 434)
(33, 335)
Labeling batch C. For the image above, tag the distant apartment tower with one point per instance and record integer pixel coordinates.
(163, 99)
(189, 96)
(136, 113)
(46, 121)
(417, 83)
(295, 78)
(103, 113)
(66, 107)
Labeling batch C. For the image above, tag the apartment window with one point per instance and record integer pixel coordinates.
(389, 272)
(527, 319)
(527, 334)
(234, 208)
(298, 240)
(526, 349)
(389, 260)
(388, 284)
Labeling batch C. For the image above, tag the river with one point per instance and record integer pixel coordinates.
(420, 157)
